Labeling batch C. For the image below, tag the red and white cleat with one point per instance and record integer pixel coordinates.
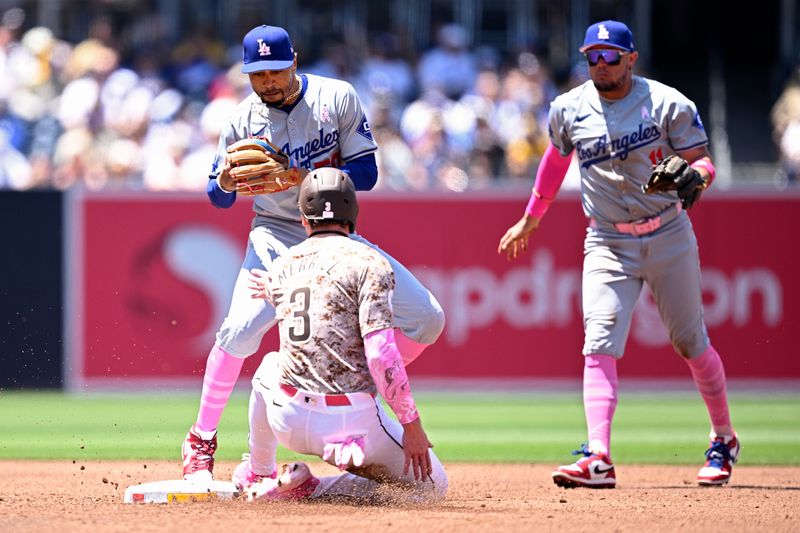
(594, 471)
(296, 482)
(198, 456)
(720, 458)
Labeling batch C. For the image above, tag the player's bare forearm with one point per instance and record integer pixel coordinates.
(515, 240)
(415, 448)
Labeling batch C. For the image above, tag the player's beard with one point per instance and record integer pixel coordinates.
(609, 85)
(285, 95)
(276, 103)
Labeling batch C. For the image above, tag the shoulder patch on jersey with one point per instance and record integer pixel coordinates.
(697, 122)
(364, 129)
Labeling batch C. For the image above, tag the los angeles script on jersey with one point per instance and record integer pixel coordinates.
(324, 143)
(605, 148)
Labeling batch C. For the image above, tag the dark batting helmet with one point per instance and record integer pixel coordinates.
(328, 195)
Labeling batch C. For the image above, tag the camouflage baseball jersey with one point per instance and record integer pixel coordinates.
(329, 292)
(327, 127)
(617, 142)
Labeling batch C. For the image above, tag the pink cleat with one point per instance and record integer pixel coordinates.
(244, 478)
(296, 482)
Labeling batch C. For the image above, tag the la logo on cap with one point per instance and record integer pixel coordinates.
(266, 48)
(602, 32)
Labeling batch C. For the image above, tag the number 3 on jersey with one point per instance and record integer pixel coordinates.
(300, 330)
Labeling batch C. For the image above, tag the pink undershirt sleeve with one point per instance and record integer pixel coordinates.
(387, 369)
(549, 177)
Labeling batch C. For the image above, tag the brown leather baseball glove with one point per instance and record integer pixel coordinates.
(260, 167)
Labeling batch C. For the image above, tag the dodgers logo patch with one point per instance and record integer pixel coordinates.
(697, 122)
(364, 128)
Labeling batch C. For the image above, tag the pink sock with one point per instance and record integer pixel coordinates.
(409, 348)
(709, 376)
(222, 370)
(599, 399)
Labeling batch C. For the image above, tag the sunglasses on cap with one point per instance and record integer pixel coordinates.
(611, 57)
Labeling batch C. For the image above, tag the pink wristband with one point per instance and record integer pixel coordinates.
(708, 166)
(537, 205)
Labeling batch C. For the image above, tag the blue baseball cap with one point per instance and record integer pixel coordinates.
(608, 33)
(266, 48)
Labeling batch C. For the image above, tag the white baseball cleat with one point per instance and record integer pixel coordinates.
(198, 456)
(296, 482)
(594, 471)
(720, 458)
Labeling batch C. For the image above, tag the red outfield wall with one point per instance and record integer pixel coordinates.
(149, 280)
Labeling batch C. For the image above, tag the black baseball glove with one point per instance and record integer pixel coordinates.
(673, 173)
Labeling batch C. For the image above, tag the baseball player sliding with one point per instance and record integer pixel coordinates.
(289, 125)
(332, 296)
(619, 126)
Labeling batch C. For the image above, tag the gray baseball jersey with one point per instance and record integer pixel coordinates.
(618, 142)
(328, 293)
(326, 128)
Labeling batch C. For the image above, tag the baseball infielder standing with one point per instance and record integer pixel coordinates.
(619, 126)
(332, 296)
(297, 122)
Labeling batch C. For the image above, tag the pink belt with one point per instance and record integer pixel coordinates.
(644, 225)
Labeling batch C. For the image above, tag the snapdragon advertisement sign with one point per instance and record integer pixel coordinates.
(149, 280)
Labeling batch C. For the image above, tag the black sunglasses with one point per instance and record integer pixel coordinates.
(611, 57)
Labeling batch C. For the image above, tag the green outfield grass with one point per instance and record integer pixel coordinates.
(657, 428)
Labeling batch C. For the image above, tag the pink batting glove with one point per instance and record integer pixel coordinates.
(345, 453)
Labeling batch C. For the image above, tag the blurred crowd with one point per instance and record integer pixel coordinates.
(785, 117)
(453, 117)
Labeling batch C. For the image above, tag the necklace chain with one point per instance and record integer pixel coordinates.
(292, 96)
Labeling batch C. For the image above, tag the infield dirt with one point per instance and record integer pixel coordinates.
(87, 496)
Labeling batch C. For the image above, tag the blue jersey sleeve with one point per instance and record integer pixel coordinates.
(218, 197)
(362, 170)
